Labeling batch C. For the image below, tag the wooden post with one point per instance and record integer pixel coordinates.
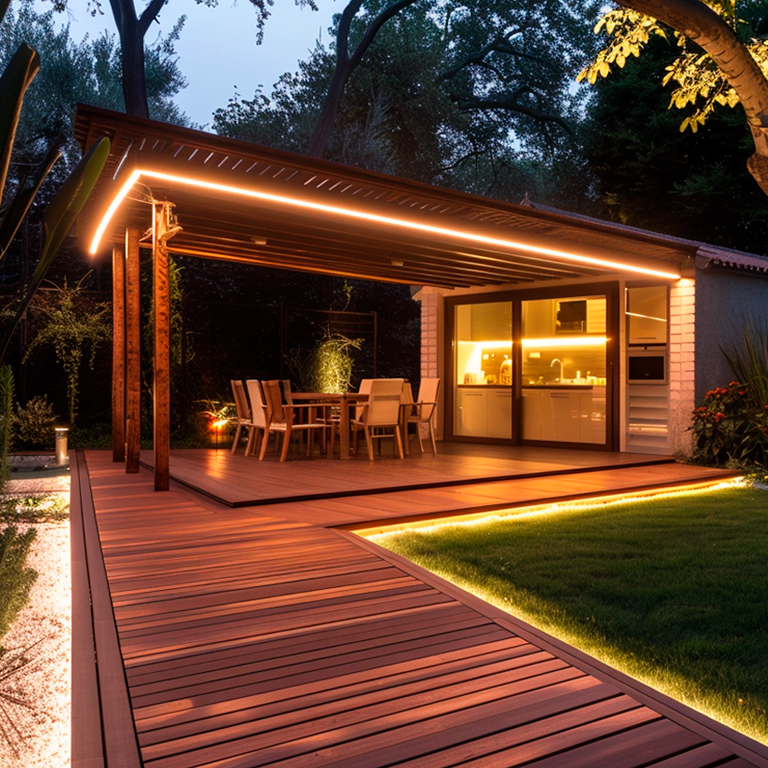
(132, 352)
(162, 352)
(118, 353)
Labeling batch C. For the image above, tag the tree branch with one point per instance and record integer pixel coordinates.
(375, 26)
(509, 104)
(701, 24)
(149, 15)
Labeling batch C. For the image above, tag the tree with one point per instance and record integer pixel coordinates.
(493, 57)
(473, 95)
(71, 72)
(345, 65)
(653, 176)
(132, 28)
(720, 63)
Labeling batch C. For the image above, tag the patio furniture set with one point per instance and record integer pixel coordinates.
(381, 408)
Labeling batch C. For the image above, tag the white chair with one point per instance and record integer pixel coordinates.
(243, 414)
(380, 416)
(423, 412)
(258, 432)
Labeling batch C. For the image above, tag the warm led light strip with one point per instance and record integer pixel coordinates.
(647, 317)
(567, 341)
(402, 223)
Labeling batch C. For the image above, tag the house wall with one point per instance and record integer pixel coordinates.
(432, 364)
(682, 363)
(681, 351)
(723, 300)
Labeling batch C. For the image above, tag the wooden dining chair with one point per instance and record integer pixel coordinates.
(258, 433)
(242, 414)
(356, 422)
(381, 414)
(423, 412)
(283, 419)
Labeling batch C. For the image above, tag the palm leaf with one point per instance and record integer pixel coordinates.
(23, 199)
(14, 82)
(59, 218)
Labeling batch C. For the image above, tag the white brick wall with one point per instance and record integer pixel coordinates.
(429, 333)
(682, 358)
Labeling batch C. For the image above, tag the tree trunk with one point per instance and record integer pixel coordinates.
(322, 130)
(345, 65)
(131, 32)
(701, 24)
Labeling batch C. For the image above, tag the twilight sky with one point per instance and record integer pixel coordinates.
(217, 50)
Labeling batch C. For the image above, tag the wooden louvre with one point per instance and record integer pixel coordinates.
(242, 202)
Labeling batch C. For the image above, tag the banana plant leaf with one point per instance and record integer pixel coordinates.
(18, 76)
(59, 218)
(23, 199)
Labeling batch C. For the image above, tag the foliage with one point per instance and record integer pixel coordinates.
(74, 72)
(33, 509)
(471, 95)
(750, 363)
(68, 201)
(72, 329)
(15, 577)
(731, 426)
(701, 85)
(650, 175)
(669, 590)
(729, 429)
(33, 424)
(6, 419)
(328, 366)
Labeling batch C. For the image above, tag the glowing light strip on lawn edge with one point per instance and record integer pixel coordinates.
(403, 224)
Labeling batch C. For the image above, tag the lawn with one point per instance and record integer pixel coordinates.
(672, 590)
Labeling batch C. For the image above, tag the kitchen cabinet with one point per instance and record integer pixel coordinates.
(564, 415)
(499, 412)
(483, 412)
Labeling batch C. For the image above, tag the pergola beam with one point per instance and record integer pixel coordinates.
(118, 353)
(161, 381)
(132, 352)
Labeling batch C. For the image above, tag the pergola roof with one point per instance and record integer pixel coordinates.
(238, 201)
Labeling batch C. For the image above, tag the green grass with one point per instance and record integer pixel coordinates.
(673, 590)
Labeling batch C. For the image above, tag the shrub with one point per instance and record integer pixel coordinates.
(33, 425)
(16, 579)
(731, 428)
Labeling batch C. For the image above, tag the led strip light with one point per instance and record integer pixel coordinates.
(360, 216)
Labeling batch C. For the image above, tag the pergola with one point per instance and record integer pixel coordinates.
(183, 191)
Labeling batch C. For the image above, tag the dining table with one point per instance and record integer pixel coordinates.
(343, 401)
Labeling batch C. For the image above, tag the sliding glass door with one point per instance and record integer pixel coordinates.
(564, 370)
(483, 372)
(534, 370)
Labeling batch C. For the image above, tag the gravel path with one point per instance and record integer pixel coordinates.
(37, 730)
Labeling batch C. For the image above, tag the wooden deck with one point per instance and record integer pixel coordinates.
(239, 481)
(260, 636)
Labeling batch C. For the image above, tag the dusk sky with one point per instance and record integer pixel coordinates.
(218, 51)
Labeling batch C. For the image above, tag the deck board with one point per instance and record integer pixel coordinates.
(258, 636)
(237, 480)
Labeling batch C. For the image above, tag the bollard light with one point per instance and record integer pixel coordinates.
(62, 454)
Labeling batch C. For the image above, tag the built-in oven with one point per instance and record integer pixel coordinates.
(647, 364)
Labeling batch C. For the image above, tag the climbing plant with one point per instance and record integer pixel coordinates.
(73, 327)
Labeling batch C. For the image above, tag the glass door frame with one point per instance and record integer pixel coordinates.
(611, 291)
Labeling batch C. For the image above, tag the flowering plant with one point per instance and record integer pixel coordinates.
(731, 427)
